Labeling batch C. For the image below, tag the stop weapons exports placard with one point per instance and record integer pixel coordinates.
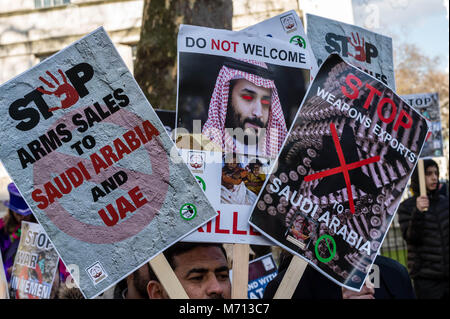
(95, 164)
(338, 180)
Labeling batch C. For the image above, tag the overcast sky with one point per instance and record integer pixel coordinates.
(422, 22)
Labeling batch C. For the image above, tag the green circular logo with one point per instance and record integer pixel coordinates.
(201, 182)
(328, 240)
(188, 211)
(298, 40)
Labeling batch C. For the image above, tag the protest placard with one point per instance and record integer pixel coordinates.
(287, 27)
(4, 294)
(338, 180)
(428, 105)
(260, 272)
(35, 264)
(95, 164)
(367, 50)
(241, 141)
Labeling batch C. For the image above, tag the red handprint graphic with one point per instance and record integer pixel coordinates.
(360, 47)
(71, 95)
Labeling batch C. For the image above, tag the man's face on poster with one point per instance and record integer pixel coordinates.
(250, 107)
(256, 169)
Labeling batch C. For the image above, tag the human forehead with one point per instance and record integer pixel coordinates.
(202, 257)
(431, 169)
(245, 85)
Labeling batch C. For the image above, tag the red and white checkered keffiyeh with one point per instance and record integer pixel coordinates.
(214, 127)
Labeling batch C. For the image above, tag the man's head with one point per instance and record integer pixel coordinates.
(137, 283)
(249, 107)
(201, 268)
(245, 97)
(431, 177)
(255, 167)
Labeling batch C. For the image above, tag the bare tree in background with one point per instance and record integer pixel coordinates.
(416, 73)
(155, 68)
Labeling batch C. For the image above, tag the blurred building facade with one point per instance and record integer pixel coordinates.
(32, 30)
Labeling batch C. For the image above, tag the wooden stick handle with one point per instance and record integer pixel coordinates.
(239, 287)
(3, 283)
(3, 289)
(167, 277)
(422, 184)
(291, 278)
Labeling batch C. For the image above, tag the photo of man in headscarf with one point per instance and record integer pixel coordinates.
(245, 113)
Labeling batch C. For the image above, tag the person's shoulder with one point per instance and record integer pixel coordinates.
(391, 269)
(396, 282)
(408, 203)
(443, 198)
(312, 285)
(410, 200)
(390, 264)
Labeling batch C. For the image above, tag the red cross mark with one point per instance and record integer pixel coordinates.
(344, 168)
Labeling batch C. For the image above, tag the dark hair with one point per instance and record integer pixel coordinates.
(415, 186)
(284, 260)
(65, 292)
(181, 248)
(255, 162)
(229, 116)
(140, 281)
(11, 223)
(251, 68)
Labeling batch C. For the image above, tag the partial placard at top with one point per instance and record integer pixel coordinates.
(367, 50)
